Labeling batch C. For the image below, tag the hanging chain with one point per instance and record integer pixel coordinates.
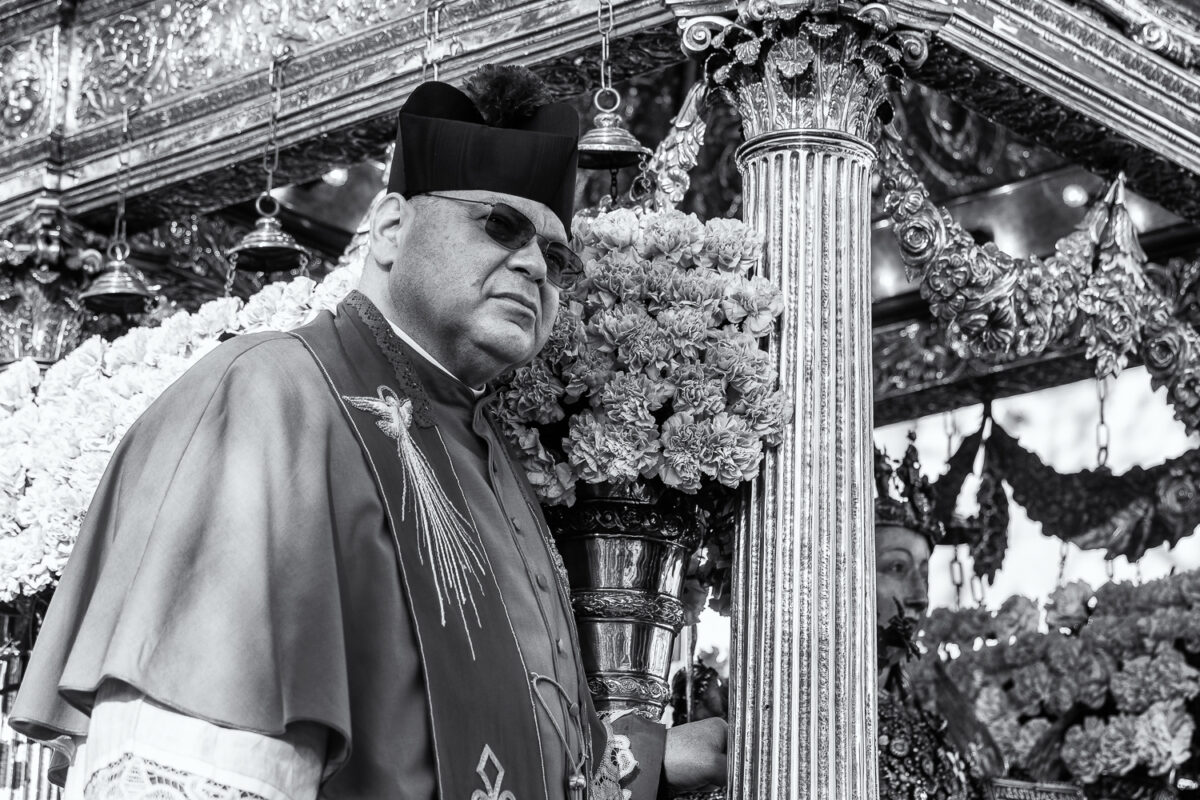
(271, 151)
(118, 247)
(1063, 550)
(433, 32)
(229, 275)
(956, 577)
(950, 426)
(1110, 568)
(604, 23)
(1102, 430)
(607, 98)
(977, 592)
(641, 184)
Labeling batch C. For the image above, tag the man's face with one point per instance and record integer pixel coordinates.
(453, 285)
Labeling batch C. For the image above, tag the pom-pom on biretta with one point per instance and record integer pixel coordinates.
(506, 94)
(913, 509)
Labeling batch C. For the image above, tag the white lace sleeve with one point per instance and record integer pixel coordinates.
(617, 765)
(139, 750)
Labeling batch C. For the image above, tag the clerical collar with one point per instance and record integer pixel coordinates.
(408, 340)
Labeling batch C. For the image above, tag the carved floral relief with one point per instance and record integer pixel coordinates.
(26, 80)
(173, 46)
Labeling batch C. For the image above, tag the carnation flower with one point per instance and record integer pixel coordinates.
(699, 288)
(614, 230)
(686, 330)
(566, 336)
(259, 310)
(17, 382)
(992, 704)
(83, 365)
(12, 472)
(333, 288)
(630, 397)
(602, 451)
(764, 410)
(1068, 605)
(755, 303)
(685, 446)
(735, 452)
(1028, 737)
(1119, 745)
(648, 348)
(672, 234)
(534, 392)
(1031, 685)
(1145, 680)
(697, 390)
(552, 481)
(729, 245)
(216, 317)
(1017, 615)
(1081, 750)
(728, 351)
(591, 369)
(1163, 736)
(753, 373)
(613, 327)
(659, 287)
(613, 278)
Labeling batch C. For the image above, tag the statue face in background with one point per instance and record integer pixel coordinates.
(901, 573)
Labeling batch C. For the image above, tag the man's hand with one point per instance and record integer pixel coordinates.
(695, 755)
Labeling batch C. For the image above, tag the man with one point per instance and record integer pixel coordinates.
(313, 569)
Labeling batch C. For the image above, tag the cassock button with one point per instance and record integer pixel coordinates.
(562, 647)
(516, 525)
(542, 583)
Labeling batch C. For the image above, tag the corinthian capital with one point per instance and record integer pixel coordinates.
(807, 64)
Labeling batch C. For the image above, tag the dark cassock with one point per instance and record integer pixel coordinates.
(324, 530)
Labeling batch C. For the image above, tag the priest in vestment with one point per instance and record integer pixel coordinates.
(314, 569)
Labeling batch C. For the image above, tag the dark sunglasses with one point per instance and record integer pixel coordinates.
(511, 229)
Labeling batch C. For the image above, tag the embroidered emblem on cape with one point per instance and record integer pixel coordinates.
(491, 790)
(445, 535)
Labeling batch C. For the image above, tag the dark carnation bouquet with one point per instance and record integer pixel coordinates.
(1106, 691)
(654, 371)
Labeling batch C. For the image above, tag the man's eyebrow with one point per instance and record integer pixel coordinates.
(897, 550)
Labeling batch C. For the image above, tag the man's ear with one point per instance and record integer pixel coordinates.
(390, 221)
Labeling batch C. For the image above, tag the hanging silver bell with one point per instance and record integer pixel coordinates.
(119, 288)
(268, 248)
(609, 144)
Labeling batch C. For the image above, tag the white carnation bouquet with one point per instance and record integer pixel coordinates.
(655, 369)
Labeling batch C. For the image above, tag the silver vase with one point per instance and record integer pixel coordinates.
(625, 549)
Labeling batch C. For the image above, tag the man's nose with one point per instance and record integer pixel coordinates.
(529, 261)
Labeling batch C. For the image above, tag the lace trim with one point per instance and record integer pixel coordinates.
(136, 778)
(393, 348)
(615, 767)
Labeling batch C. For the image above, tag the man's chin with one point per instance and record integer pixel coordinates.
(508, 348)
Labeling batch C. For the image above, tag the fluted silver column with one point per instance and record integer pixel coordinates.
(807, 79)
(803, 687)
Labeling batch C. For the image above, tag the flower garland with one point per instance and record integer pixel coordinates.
(1109, 687)
(653, 370)
(58, 430)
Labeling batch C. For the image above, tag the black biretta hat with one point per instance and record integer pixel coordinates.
(443, 143)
